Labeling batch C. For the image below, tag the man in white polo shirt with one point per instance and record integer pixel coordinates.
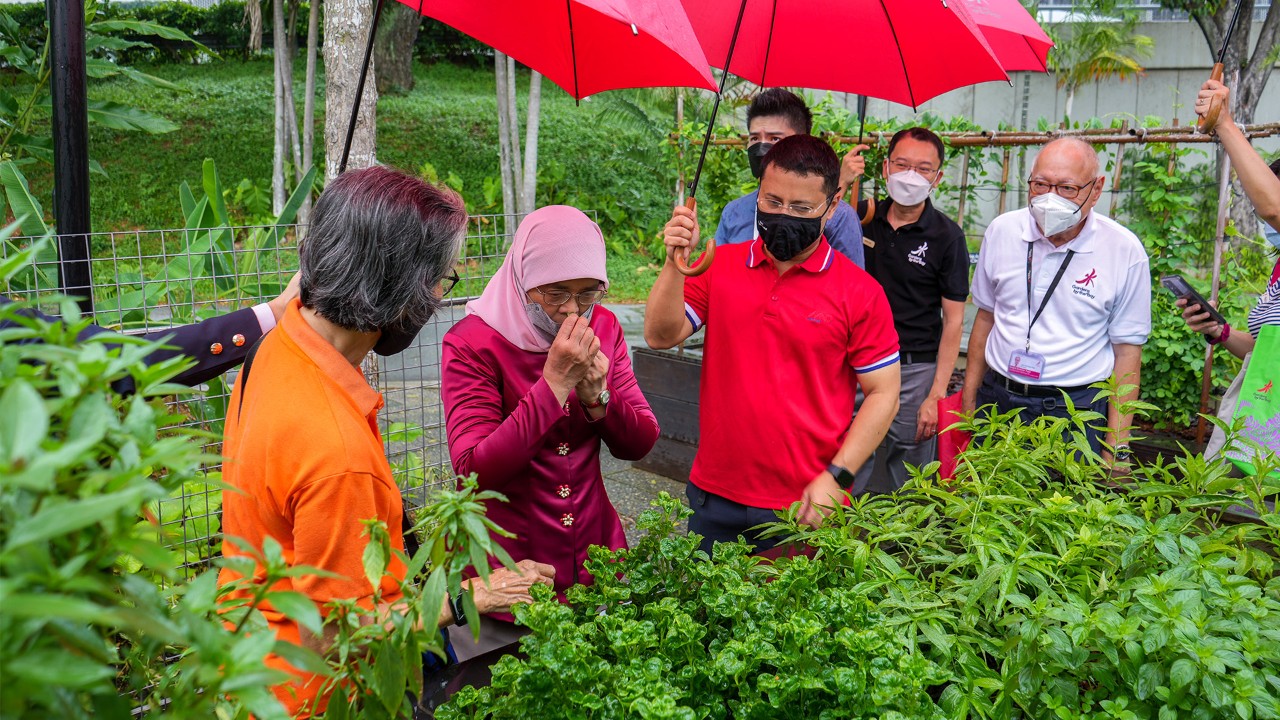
(1064, 300)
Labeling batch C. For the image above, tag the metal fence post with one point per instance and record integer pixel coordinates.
(70, 147)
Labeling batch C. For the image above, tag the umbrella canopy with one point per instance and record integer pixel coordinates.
(905, 51)
(585, 46)
(1017, 39)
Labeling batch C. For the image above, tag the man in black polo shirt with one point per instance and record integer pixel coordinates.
(920, 258)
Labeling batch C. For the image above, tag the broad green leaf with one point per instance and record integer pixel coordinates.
(22, 203)
(60, 669)
(54, 520)
(47, 606)
(24, 422)
(298, 607)
(140, 27)
(122, 117)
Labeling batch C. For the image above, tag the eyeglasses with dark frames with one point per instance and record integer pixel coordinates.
(449, 283)
(1068, 191)
(556, 298)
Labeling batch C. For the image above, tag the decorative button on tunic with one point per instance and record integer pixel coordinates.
(506, 425)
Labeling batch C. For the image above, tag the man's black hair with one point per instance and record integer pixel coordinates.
(806, 155)
(778, 102)
(919, 134)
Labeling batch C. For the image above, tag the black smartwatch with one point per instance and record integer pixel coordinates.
(842, 475)
(455, 607)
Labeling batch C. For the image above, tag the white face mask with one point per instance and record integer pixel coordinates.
(909, 188)
(1054, 213)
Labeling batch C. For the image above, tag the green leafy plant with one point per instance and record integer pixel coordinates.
(665, 634)
(95, 618)
(104, 38)
(1030, 587)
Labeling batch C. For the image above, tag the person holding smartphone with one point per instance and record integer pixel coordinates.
(1262, 184)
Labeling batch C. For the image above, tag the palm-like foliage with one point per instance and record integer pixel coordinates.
(1097, 50)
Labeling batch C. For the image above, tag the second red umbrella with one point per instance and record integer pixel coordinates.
(905, 51)
(585, 46)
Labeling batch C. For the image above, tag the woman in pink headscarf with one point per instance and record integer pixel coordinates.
(533, 379)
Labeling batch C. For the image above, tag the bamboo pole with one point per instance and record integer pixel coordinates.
(964, 183)
(1098, 136)
(1119, 170)
(1004, 182)
(1224, 197)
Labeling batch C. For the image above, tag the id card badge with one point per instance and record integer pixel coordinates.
(1026, 364)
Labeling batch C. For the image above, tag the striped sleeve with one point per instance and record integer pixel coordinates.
(873, 341)
(1267, 311)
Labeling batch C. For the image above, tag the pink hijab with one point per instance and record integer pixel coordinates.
(553, 244)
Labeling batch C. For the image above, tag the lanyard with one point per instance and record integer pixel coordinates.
(1047, 293)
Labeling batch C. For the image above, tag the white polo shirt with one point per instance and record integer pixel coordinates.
(1103, 298)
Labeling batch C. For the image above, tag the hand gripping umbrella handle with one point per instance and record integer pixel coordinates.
(865, 213)
(1209, 120)
(682, 259)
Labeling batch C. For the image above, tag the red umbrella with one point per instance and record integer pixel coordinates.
(906, 51)
(1017, 39)
(585, 46)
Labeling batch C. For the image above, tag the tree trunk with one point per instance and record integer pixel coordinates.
(309, 110)
(253, 18)
(529, 187)
(504, 141)
(513, 127)
(346, 23)
(393, 50)
(1071, 98)
(281, 139)
(290, 102)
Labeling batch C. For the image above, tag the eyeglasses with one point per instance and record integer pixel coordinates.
(924, 170)
(449, 283)
(556, 298)
(1068, 191)
(803, 210)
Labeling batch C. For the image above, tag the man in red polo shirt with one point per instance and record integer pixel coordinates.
(792, 328)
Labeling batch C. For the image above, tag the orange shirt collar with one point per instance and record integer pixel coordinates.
(329, 360)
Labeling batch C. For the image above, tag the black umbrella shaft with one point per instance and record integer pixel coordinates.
(724, 77)
(364, 73)
(1231, 28)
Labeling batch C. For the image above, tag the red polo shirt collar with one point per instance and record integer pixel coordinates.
(819, 261)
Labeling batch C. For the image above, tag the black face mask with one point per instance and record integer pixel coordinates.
(396, 340)
(786, 236)
(755, 156)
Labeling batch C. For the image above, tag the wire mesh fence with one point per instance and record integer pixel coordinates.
(147, 281)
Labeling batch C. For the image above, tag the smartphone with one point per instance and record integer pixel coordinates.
(1178, 285)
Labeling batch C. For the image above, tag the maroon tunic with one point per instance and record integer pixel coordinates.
(505, 425)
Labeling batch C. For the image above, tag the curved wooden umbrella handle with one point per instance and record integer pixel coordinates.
(682, 261)
(865, 214)
(1209, 120)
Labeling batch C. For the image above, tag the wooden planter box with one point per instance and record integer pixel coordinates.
(671, 381)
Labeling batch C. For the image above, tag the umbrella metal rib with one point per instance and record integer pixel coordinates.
(715, 108)
(364, 73)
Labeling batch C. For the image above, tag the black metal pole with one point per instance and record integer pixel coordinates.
(364, 73)
(715, 108)
(70, 147)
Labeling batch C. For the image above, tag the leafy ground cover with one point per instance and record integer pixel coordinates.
(1028, 589)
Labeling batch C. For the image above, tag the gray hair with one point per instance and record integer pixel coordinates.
(380, 242)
